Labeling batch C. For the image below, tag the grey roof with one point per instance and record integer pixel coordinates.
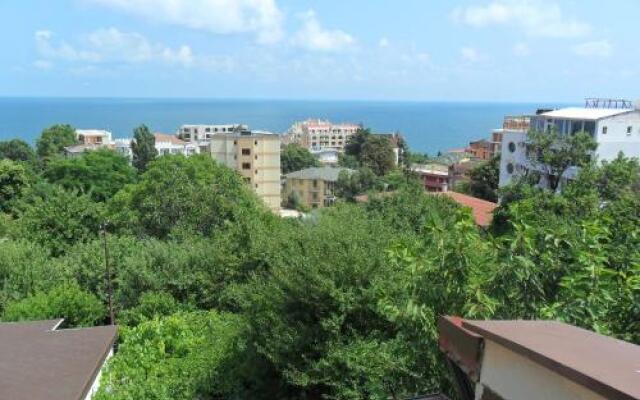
(321, 173)
(39, 362)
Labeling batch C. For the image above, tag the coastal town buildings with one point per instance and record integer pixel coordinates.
(256, 156)
(42, 362)
(201, 134)
(533, 360)
(317, 134)
(165, 144)
(435, 177)
(614, 124)
(313, 186)
(89, 139)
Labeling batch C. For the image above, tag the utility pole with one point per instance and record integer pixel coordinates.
(108, 274)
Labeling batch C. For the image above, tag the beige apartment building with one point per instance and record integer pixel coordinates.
(314, 186)
(256, 155)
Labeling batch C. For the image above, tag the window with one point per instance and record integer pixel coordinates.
(246, 152)
(256, 157)
(256, 185)
(510, 168)
(315, 183)
(246, 165)
(207, 129)
(629, 129)
(235, 142)
(512, 147)
(247, 180)
(256, 172)
(256, 142)
(604, 130)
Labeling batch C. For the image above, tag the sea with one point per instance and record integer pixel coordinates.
(428, 127)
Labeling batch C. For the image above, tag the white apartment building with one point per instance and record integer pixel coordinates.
(93, 137)
(165, 145)
(256, 156)
(316, 134)
(614, 126)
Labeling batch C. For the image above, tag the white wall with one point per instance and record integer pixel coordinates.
(96, 382)
(616, 139)
(515, 158)
(513, 376)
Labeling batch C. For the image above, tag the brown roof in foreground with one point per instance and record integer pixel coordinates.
(605, 365)
(163, 137)
(481, 210)
(38, 362)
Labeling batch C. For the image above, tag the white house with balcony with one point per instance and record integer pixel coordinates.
(614, 124)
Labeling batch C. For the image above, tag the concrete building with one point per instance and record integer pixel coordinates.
(614, 124)
(171, 144)
(535, 360)
(201, 134)
(94, 137)
(41, 362)
(316, 134)
(434, 177)
(256, 155)
(313, 186)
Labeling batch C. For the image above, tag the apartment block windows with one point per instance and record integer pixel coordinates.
(246, 152)
(246, 165)
(629, 129)
(512, 147)
(604, 130)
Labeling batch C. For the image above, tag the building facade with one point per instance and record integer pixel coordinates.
(313, 186)
(614, 129)
(434, 177)
(164, 144)
(201, 134)
(316, 134)
(256, 156)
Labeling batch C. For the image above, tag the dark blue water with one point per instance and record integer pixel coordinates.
(428, 126)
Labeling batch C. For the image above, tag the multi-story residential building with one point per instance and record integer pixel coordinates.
(435, 177)
(614, 124)
(256, 155)
(316, 134)
(481, 149)
(313, 186)
(202, 134)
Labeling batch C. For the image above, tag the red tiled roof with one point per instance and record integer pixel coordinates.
(482, 210)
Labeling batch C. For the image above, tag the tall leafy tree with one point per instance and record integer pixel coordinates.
(17, 150)
(54, 139)
(99, 174)
(143, 147)
(552, 154)
(377, 154)
(356, 141)
(294, 157)
(484, 180)
(14, 179)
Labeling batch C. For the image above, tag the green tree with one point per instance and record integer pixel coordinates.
(77, 307)
(143, 147)
(179, 357)
(60, 220)
(354, 145)
(54, 139)
(99, 174)
(377, 154)
(295, 157)
(191, 193)
(552, 154)
(353, 183)
(484, 180)
(17, 150)
(151, 305)
(14, 179)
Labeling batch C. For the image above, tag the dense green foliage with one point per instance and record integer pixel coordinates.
(17, 150)
(54, 139)
(484, 179)
(368, 150)
(217, 298)
(294, 157)
(99, 174)
(143, 147)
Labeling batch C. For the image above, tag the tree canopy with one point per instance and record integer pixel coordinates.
(54, 139)
(17, 150)
(143, 147)
(294, 157)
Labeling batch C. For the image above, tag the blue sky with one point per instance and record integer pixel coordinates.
(497, 50)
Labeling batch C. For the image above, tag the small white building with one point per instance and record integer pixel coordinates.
(165, 145)
(201, 134)
(614, 129)
(94, 137)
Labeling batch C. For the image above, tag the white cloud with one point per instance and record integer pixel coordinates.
(262, 17)
(470, 54)
(521, 50)
(533, 16)
(312, 36)
(599, 48)
(111, 46)
(43, 64)
(384, 42)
